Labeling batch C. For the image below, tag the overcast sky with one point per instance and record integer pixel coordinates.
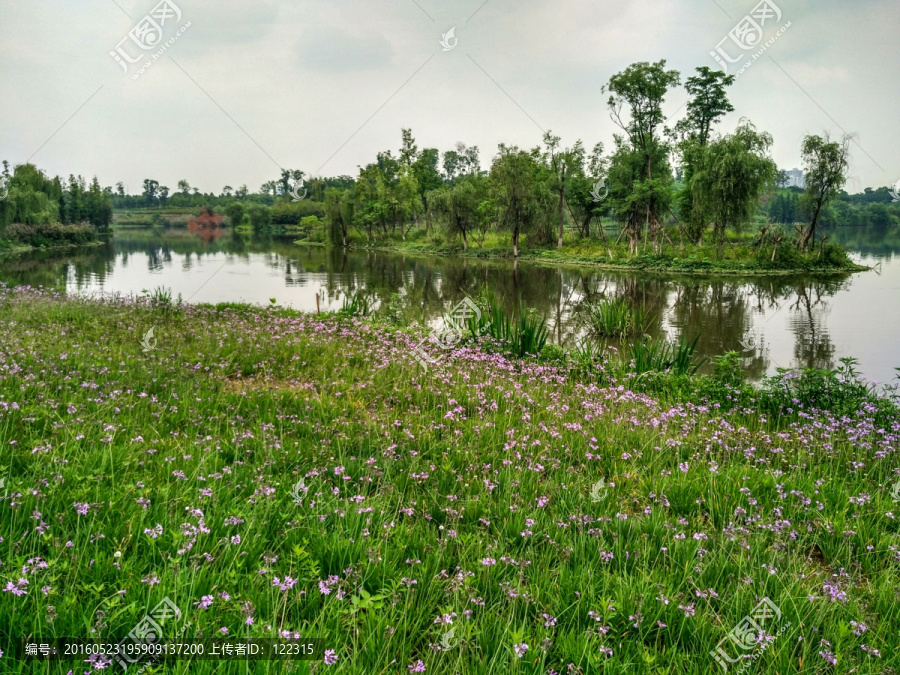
(323, 85)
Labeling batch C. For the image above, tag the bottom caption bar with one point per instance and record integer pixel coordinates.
(133, 651)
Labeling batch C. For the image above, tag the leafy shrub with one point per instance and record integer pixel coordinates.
(553, 353)
(52, 234)
(235, 213)
(292, 213)
(260, 217)
(834, 255)
(727, 369)
(840, 391)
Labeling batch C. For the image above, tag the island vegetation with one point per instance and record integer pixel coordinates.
(687, 197)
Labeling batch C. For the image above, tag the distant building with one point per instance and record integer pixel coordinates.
(795, 178)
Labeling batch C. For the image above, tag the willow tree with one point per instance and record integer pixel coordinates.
(407, 201)
(32, 198)
(338, 216)
(428, 178)
(709, 102)
(459, 204)
(732, 174)
(565, 166)
(642, 89)
(827, 163)
(387, 196)
(584, 187)
(523, 197)
(637, 201)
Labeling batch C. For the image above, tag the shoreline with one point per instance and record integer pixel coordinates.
(23, 248)
(541, 259)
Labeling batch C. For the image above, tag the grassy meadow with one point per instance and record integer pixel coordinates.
(271, 472)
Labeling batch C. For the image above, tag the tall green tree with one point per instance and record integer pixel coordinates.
(469, 162)
(409, 151)
(151, 188)
(827, 163)
(565, 165)
(636, 98)
(98, 208)
(32, 199)
(338, 216)
(583, 187)
(523, 198)
(260, 218)
(235, 214)
(637, 201)
(428, 178)
(459, 204)
(407, 200)
(451, 164)
(732, 175)
(709, 102)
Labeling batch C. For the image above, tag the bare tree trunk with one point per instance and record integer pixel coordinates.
(559, 285)
(559, 209)
(811, 232)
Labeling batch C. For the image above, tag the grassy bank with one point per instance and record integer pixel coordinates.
(739, 256)
(271, 471)
(18, 238)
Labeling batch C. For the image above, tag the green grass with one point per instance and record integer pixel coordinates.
(465, 491)
(616, 318)
(169, 217)
(662, 356)
(520, 334)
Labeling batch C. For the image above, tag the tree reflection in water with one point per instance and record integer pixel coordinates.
(729, 314)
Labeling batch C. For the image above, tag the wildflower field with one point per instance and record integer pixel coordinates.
(279, 474)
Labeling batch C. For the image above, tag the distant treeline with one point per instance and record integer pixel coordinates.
(29, 197)
(39, 211)
(720, 182)
(871, 208)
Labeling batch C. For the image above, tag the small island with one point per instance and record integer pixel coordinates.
(686, 198)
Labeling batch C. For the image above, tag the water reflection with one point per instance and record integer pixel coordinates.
(773, 321)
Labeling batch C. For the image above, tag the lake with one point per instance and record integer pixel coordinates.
(775, 322)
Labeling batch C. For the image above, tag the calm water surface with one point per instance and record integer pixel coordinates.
(776, 322)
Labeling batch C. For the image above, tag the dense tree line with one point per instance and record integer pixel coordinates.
(872, 208)
(690, 183)
(32, 198)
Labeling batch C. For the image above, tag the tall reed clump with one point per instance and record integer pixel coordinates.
(522, 334)
(661, 356)
(162, 301)
(615, 318)
(358, 304)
